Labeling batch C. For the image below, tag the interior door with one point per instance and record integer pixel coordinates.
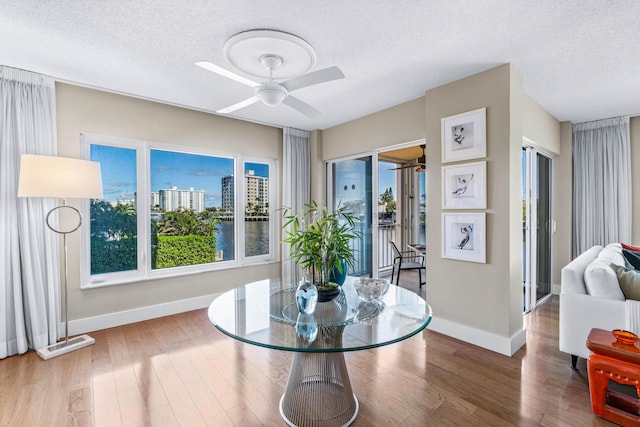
(537, 227)
(350, 184)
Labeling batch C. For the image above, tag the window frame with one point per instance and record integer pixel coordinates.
(143, 211)
(272, 212)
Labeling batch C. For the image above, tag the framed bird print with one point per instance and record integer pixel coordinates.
(464, 136)
(464, 237)
(464, 186)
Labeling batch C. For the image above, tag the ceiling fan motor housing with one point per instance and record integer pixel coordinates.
(271, 93)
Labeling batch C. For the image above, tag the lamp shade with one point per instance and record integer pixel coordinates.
(59, 177)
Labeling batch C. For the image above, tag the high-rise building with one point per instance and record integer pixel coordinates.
(228, 188)
(256, 197)
(172, 199)
(155, 199)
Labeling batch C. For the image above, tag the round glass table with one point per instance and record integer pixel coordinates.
(318, 391)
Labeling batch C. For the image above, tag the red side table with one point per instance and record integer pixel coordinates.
(617, 362)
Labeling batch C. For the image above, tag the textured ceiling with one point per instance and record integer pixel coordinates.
(580, 60)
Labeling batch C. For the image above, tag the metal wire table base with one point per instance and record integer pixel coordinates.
(318, 392)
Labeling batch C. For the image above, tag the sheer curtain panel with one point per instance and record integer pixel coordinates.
(601, 183)
(296, 176)
(29, 253)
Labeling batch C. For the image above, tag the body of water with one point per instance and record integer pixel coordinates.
(256, 238)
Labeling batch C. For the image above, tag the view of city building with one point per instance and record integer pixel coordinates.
(228, 188)
(172, 199)
(256, 197)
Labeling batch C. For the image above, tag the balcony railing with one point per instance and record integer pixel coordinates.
(386, 232)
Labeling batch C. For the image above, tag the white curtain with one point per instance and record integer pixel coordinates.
(601, 183)
(296, 176)
(29, 252)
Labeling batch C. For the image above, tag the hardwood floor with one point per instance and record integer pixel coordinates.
(180, 371)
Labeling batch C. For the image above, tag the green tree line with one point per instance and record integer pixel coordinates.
(180, 238)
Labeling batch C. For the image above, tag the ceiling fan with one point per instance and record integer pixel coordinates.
(272, 54)
(420, 163)
(273, 93)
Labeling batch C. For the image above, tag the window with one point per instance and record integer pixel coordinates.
(113, 229)
(256, 209)
(173, 210)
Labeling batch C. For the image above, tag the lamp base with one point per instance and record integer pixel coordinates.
(63, 347)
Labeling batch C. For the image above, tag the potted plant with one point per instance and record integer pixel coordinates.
(320, 242)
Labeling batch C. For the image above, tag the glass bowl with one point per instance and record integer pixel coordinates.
(371, 290)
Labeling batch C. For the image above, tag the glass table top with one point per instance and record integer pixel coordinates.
(265, 313)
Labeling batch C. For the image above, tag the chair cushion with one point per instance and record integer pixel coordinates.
(411, 265)
(629, 281)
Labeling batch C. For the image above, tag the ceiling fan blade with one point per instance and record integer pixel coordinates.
(226, 73)
(313, 78)
(239, 105)
(301, 106)
(408, 166)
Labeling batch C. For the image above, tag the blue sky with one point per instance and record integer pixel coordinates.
(386, 178)
(168, 169)
(201, 172)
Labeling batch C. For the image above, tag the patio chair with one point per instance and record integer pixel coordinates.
(406, 260)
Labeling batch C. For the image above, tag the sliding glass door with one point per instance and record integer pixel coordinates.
(386, 190)
(537, 227)
(350, 184)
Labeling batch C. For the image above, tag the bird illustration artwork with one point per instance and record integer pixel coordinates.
(458, 134)
(462, 183)
(466, 231)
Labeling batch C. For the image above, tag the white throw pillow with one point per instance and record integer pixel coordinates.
(612, 253)
(600, 279)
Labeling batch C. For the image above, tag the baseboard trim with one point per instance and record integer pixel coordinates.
(484, 339)
(111, 320)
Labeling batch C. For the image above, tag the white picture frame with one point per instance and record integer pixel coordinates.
(464, 136)
(464, 186)
(464, 236)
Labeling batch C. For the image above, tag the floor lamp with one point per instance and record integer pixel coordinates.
(61, 178)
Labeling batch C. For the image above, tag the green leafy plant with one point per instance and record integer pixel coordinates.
(175, 251)
(320, 240)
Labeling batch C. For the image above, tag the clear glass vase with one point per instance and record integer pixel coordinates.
(306, 296)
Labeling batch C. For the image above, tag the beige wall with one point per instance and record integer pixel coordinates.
(486, 298)
(490, 302)
(82, 110)
(481, 296)
(562, 202)
(542, 131)
(396, 125)
(540, 127)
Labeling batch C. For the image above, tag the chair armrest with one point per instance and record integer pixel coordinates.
(579, 313)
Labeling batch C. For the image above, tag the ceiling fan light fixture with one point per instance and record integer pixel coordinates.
(271, 96)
